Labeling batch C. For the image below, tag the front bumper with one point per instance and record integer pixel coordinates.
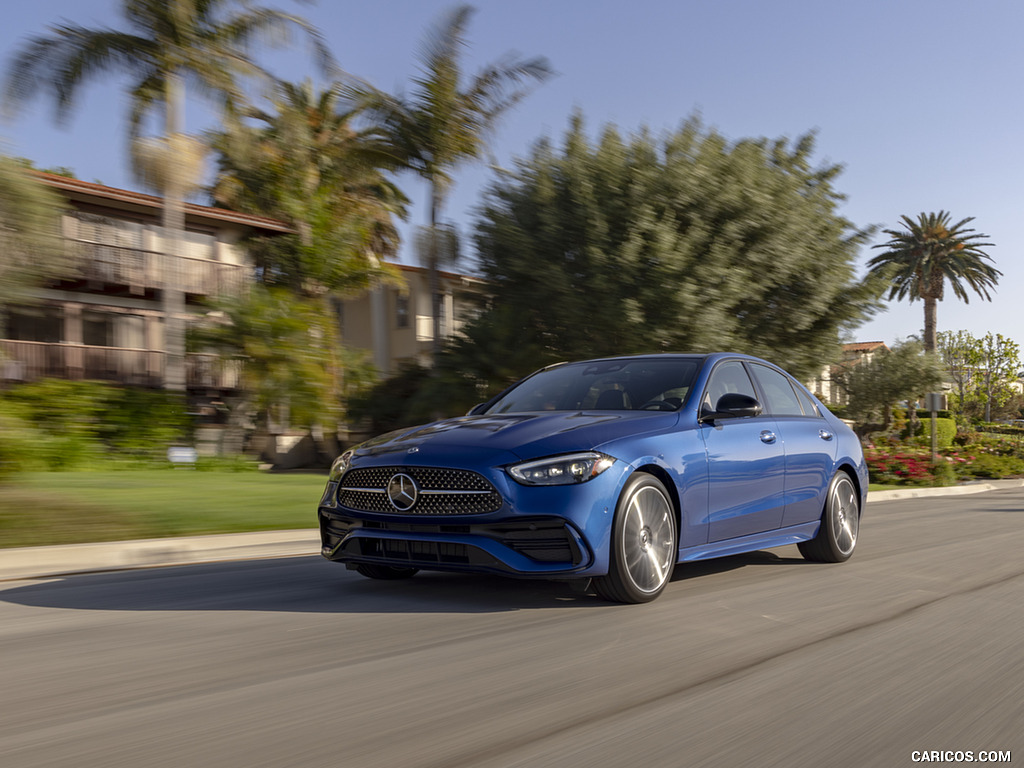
(515, 530)
(522, 546)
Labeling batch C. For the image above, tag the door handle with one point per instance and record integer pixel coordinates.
(824, 434)
(767, 436)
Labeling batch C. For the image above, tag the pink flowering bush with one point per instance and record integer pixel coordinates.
(899, 466)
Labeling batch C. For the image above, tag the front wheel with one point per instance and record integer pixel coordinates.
(643, 543)
(840, 524)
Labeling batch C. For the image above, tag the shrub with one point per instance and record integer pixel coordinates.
(899, 468)
(945, 430)
(944, 473)
(19, 446)
(988, 465)
(55, 424)
(233, 463)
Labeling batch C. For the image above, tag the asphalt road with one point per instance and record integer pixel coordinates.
(916, 644)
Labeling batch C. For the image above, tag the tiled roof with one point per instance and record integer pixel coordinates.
(87, 189)
(864, 346)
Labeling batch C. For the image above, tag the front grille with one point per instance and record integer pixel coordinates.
(442, 491)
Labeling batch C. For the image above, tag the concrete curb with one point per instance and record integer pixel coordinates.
(42, 562)
(39, 562)
(956, 490)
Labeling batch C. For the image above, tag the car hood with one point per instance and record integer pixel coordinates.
(519, 436)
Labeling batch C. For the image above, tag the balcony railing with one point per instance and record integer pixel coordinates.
(140, 269)
(33, 360)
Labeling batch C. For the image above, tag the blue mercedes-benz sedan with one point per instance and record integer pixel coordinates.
(608, 472)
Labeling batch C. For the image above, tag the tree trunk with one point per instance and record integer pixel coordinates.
(434, 278)
(173, 229)
(930, 305)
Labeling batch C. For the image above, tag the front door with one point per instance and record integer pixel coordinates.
(746, 463)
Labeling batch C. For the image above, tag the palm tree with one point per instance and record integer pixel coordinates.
(167, 43)
(920, 258)
(305, 163)
(309, 166)
(443, 125)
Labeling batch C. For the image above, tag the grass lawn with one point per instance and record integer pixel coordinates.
(75, 507)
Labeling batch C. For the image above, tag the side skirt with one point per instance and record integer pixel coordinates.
(778, 537)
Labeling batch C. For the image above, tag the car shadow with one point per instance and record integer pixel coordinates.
(309, 584)
(700, 568)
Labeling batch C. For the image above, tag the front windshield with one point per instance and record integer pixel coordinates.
(653, 384)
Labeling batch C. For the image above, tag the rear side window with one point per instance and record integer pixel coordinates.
(778, 392)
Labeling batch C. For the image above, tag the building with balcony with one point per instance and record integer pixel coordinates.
(104, 318)
(396, 324)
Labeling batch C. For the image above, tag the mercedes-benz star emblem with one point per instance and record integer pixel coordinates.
(402, 492)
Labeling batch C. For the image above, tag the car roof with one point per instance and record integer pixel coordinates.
(714, 356)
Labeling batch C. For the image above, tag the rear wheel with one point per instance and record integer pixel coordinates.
(643, 543)
(386, 572)
(840, 524)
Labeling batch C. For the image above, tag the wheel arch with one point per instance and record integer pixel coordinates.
(851, 471)
(666, 480)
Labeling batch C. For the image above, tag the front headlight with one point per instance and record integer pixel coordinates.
(561, 470)
(340, 466)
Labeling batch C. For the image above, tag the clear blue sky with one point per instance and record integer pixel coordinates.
(917, 99)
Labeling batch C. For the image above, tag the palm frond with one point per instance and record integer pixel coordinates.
(60, 62)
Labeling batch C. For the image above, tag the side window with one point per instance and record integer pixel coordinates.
(728, 377)
(778, 392)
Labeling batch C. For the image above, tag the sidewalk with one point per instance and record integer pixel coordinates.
(40, 562)
(37, 562)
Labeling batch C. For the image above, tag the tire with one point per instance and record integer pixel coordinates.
(840, 524)
(643, 543)
(385, 572)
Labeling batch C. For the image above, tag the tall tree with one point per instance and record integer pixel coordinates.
(920, 258)
(304, 162)
(874, 386)
(166, 44)
(638, 245)
(445, 123)
(1000, 365)
(271, 335)
(30, 243)
(960, 353)
(984, 370)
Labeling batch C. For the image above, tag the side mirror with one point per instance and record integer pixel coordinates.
(733, 405)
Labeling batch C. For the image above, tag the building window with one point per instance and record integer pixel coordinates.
(108, 329)
(43, 324)
(402, 311)
(97, 329)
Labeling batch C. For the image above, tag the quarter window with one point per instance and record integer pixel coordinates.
(810, 409)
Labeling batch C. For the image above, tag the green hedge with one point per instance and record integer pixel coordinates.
(926, 415)
(988, 465)
(55, 424)
(945, 430)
